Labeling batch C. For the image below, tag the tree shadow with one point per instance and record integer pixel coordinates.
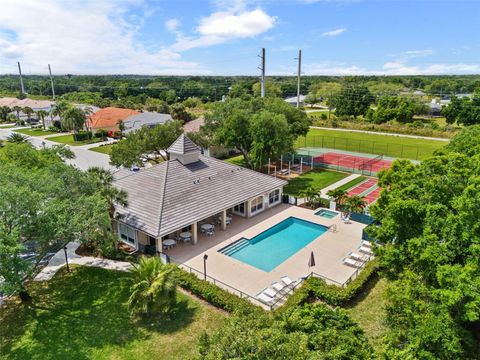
(363, 294)
(77, 312)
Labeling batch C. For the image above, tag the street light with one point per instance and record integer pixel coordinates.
(205, 257)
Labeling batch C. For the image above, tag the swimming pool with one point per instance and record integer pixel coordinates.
(326, 213)
(270, 248)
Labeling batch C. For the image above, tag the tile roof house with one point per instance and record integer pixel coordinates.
(108, 118)
(149, 119)
(176, 195)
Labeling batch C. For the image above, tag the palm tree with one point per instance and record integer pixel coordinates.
(338, 195)
(27, 110)
(73, 119)
(311, 195)
(113, 195)
(42, 114)
(4, 111)
(59, 109)
(355, 204)
(17, 138)
(153, 289)
(17, 109)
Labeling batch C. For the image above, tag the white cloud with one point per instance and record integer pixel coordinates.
(335, 32)
(222, 26)
(172, 25)
(89, 36)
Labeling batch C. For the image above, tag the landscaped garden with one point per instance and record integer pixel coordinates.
(316, 179)
(103, 149)
(35, 132)
(69, 140)
(84, 315)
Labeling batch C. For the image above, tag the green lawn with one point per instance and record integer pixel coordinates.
(83, 315)
(7, 126)
(368, 312)
(236, 160)
(394, 146)
(318, 179)
(352, 183)
(35, 132)
(104, 149)
(68, 140)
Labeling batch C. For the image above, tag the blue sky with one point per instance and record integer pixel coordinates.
(224, 37)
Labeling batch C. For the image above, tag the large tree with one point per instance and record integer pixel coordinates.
(141, 144)
(464, 111)
(430, 234)
(44, 204)
(258, 128)
(352, 100)
(74, 119)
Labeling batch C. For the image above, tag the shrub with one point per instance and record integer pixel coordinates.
(323, 116)
(102, 133)
(53, 129)
(57, 124)
(213, 294)
(83, 135)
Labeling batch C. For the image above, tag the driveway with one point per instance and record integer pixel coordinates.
(84, 158)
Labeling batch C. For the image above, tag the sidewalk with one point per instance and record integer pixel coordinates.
(58, 261)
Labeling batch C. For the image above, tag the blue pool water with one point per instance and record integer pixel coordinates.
(270, 248)
(326, 213)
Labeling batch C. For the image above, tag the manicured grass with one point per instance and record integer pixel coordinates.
(68, 140)
(35, 132)
(236, 160)
(83, 315)
(394, 146)
(318, 179)
(352, 183)
(104, 149)
(368, 312)
(7, 126)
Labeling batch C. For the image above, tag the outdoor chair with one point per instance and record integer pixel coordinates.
(352, 263)
(264, 298)
(279, 287)
(287, 281)
(358, 257)
(270, 292)
(365, 249)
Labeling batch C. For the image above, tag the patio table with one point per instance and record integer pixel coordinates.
(207, 227)
(169, 242)
(186, 235)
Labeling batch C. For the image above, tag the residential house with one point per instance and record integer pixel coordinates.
(108, 118)
(293, 100)
(148, 119)
(175, 196)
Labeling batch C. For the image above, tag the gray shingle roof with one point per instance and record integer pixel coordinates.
(183, 145)
(135, 122)
(170, 196)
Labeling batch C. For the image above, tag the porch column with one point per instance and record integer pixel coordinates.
(194, 233)
(224, 219)
(159, 245)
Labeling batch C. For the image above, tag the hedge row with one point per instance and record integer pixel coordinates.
(316, 289)
(214, 294)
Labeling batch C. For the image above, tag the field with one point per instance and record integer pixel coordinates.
(317, 179)
(83, 315)
(68, 140)
(368, 312)
(393, 146)
(103, 149)
(35, 132)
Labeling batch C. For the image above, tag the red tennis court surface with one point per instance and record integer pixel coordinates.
(354, 162)
(362, 187)
(371, 197)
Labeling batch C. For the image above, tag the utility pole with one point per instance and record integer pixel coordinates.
(262, 78)
(298, 76)
(51, 81)
(21, 80)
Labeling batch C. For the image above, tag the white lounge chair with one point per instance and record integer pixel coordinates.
(279, 287)
(270, 292)
(358, 257)
(366, 243)
(287, 281)
(353, 263)
(365, 249)
(264, 298)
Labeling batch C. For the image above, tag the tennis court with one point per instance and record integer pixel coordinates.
(362, 163)
(362, 187)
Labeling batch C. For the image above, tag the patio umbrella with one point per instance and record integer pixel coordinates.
(311, 261)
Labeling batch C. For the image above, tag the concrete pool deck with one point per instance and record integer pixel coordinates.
(329, 249)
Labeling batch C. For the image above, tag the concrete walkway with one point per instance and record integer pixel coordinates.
(323, 192)
(58, 261)
(382, 133)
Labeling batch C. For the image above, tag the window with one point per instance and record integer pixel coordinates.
(274, 196)
(256, 204)
(239, 209)
(127, 233)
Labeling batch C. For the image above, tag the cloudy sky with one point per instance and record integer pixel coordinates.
(181, 37)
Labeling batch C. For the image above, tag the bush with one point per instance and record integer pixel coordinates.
(83, 135)
(213, 294)
(53, 129)
(102, 133)
(57, 124)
